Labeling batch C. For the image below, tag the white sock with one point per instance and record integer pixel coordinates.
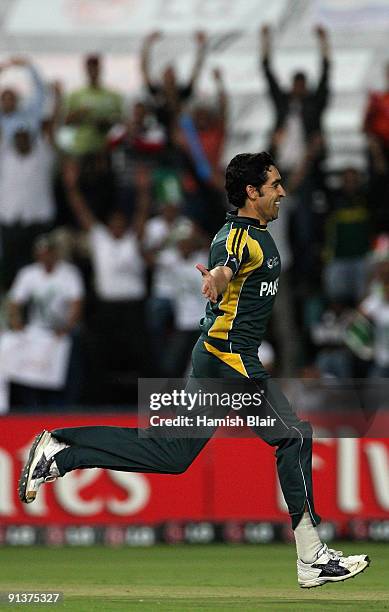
(308, 543)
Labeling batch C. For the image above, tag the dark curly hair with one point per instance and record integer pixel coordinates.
(246, 169)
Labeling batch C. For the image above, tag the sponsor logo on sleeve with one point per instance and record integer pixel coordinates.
(272, 262)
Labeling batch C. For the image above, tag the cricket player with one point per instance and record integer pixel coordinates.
(241, 284)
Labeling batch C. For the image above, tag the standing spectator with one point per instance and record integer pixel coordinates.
(298, 146)
(188, 301)
(141, 141)
(169, 96)
(347, 240)
(211, 126)
(92, 110)
(159, 239)
(142, 130)
(327, 332)
(298, 111)
(119, 341)
(13, 111)
(199, 141)
(54, 291)
(376, 308)
(27, 206)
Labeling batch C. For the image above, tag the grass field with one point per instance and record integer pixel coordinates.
(211, 578)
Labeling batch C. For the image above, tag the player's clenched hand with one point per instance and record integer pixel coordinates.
(209, 289)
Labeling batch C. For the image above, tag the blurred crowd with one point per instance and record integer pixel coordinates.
(105, 210)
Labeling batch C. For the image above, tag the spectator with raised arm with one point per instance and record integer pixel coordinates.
(91, 110)
(211, 125)
(169, 96)
(118, 342)
(299, 110)
(13, 110)
(298, 146)
(27, 204)
(139, 141)
(203, 133)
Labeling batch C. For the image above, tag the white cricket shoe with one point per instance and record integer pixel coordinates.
(39, 467)
(330, 566)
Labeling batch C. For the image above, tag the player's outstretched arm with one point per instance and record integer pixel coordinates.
(215, 281)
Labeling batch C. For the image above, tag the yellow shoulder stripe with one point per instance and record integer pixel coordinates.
(230, 302)
(236, 241)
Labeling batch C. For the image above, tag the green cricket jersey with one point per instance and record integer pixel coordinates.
(237, 322)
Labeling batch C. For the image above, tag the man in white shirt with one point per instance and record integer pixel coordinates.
(376, 308)
(159, 241)
(27, 204)
(54, 291)
(118, 346)
(13, 110)
(188, 301)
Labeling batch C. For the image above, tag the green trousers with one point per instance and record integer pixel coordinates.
(133, 450)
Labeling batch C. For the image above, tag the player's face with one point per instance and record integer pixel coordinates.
(269, 196)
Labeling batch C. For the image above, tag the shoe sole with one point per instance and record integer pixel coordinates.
(26, 496)
(359, 570)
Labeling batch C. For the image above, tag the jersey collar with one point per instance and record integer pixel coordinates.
(233, 216)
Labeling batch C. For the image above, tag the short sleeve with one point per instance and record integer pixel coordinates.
(232, 251)
(97, 236)
(21, 289)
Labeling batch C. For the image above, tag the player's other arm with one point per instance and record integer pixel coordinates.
(215, 281)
